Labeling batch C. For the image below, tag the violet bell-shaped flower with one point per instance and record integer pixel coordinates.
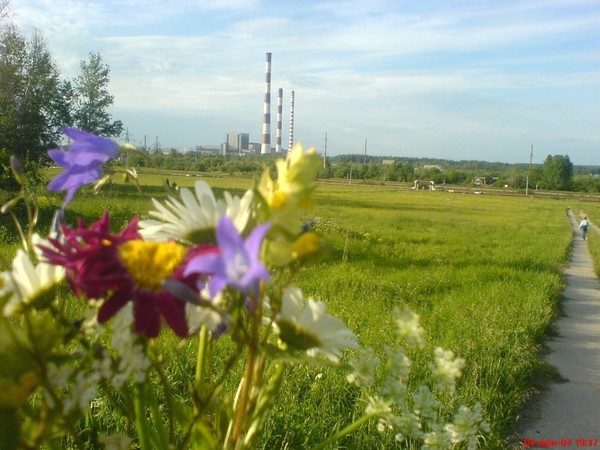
(82, 163)
(237, 264)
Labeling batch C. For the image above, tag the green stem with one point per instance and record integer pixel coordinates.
(201, 361)
(141, 423)
(345, 431)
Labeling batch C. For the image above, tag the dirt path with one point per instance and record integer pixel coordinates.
(568, 414)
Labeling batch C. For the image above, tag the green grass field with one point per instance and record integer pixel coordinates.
(482, 271)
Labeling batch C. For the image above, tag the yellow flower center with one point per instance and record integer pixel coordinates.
(149, 263)
(277, 199)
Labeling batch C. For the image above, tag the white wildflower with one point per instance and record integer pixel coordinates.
(396, 374)
(81, 392)
(446, 369)
(408, 327)
(189, 219)
(27, 282)
(115, 442)
(467, 425)
(436, 440)
(363, 369)
(202, 315)
(306, 326)
(425, 404)
(133, 360)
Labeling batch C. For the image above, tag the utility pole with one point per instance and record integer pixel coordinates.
(365, 158)
(529, 171)
(325, 155)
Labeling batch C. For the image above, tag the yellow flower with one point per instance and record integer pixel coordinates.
(293, 188)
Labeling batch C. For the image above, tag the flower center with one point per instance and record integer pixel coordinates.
(297, 337)
(149, 263)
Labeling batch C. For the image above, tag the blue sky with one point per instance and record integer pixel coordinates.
(475, 80)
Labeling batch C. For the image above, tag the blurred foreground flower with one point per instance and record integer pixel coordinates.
(120, 268)
(29, 283)
(193, 219)
(82, 163)
(309, 328)
(237, 264)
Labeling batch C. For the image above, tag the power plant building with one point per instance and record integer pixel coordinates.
(237, 142)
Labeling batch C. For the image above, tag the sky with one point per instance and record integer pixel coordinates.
(453, 79)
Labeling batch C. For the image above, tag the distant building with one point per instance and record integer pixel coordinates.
(237, 142)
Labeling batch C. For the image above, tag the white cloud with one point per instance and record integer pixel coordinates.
(407, 75)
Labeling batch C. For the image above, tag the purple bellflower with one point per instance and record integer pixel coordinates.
(82, 163)
(237, 264)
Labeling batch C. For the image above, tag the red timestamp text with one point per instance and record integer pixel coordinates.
(561, 443)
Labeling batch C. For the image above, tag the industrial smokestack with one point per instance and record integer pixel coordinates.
(279, 112)
(266, 131)
(291, 142)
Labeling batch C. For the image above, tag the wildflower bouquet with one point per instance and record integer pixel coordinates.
(205, 270)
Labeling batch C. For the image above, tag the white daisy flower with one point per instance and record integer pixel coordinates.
(307, 327)
(27, 282)
(189, 219)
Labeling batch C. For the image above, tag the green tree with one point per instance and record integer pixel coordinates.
(34, 101)
(557, 173)
(93, 99)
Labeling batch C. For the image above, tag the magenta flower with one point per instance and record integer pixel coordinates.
(237, 264)
(82, 163)
(122, 268)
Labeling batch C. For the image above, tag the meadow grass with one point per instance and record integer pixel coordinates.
(483, 272)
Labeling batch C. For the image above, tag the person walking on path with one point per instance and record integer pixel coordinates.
(584, 225)
(567, 415)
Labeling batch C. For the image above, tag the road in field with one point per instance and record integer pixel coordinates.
(568, 414)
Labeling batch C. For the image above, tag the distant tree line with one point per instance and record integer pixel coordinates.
(35, 102)
(556, 173)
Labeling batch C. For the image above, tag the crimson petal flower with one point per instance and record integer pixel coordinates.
(122, 268)
(82, 163)
(237, 264)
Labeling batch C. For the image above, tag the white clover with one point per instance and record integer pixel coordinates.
(306, 326)
(446, 369)
(28, 282)
(187, 220)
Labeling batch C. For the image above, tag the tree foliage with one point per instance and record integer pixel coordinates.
(33, 98)
(93, 99)
(557, 173)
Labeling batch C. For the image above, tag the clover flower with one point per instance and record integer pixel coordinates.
(309, 328)
(122, 268)
(195, 217)
(29, 283)
(237, 264)
(82, 163)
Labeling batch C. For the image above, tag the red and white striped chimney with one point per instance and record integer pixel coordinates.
(279, 113)
(291, 141)
(266, 131)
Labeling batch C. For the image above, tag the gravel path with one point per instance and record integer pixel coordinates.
(568, 414)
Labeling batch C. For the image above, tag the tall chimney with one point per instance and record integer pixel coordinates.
(266, 131)
(291, 142)
(279, 112)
